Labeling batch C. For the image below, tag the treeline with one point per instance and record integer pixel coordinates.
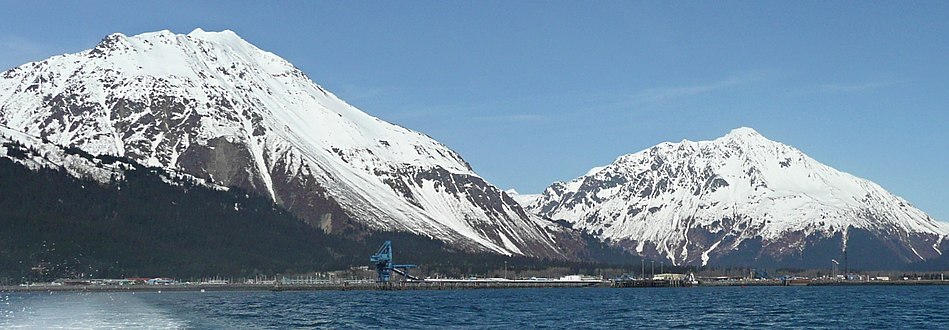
(54, 224)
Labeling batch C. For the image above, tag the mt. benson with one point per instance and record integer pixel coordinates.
(742, 200)
(211, 105)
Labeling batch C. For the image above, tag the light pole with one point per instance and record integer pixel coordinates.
(834, 268)
(642, 272)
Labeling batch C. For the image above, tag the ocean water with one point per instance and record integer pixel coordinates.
(865, 307)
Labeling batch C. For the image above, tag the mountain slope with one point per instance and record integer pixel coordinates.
(742, 199)
(214, 106)
(65, 213)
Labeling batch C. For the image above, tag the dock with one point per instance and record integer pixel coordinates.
(428, 284)
(449, 284)
(649, 283)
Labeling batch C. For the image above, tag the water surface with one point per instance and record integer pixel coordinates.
(864, 307)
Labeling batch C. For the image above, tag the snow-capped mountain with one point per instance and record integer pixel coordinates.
(215, 106)
(742, 199)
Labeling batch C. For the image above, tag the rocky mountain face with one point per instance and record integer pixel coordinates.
(213, 106)
(742, 200)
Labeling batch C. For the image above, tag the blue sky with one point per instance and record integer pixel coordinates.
(534, 92)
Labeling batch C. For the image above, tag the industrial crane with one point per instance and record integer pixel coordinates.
(384, 264)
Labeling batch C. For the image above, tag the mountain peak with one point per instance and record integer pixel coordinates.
(744, 132)
(158, 42)
(224, 36)
(115, 36)
(745, 136)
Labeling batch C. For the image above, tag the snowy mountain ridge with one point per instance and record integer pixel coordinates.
(34, 153)
(695, 202)
(213, 105)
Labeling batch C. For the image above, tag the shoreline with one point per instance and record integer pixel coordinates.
(425, 285)
(344, 286)
(826, 283)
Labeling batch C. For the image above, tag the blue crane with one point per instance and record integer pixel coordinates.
(384, 265)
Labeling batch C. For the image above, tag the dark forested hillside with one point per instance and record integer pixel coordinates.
(144, 227)
(54, 225)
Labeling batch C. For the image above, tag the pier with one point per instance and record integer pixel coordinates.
(436, 284)
(649, 283)
(487, 284)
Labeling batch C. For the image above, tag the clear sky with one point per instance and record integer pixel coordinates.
(534, 92)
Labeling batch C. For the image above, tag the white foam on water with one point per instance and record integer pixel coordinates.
(83, 311)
